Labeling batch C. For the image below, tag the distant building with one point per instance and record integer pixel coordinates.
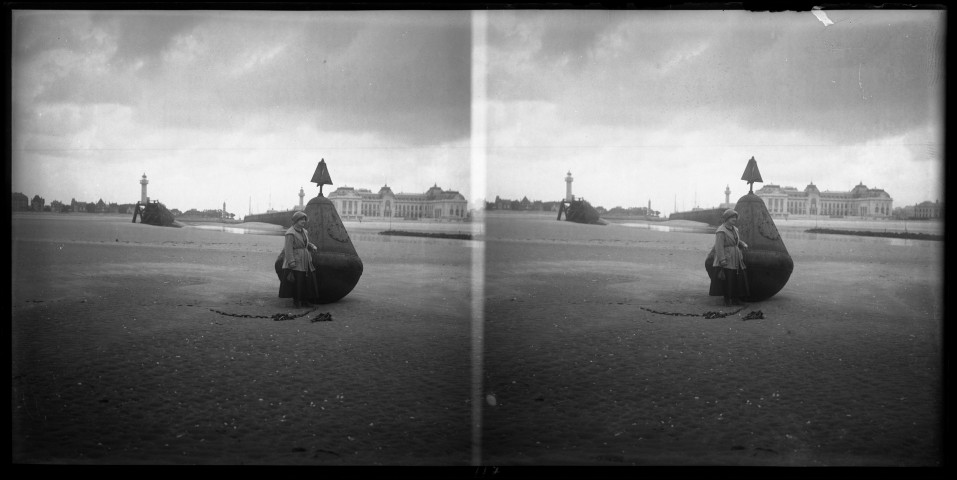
(435, 203)
(929, 210)
(78, 207)
(37, 203)
(727, 199)
(858, 202)
(143, 197)
(19, 202)
(500, 204)
(568, 187)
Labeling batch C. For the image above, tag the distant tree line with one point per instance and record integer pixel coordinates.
(538, 205)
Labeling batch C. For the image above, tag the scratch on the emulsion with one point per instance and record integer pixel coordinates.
(821, 16)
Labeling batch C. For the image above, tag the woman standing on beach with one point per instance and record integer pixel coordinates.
(730, 279)
(298, 279)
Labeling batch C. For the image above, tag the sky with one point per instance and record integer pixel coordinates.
(668, 107)
(663, 107)
(237, 107)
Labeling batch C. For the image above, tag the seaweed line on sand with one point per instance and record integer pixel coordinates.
(708, 315)
(277, 316)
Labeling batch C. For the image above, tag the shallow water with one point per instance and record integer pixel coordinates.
(668, 228)
(362, 236)
(403, 239)
(787, 234)
(238, 230)
(833, 237)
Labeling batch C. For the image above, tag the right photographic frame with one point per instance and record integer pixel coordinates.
(711, 237)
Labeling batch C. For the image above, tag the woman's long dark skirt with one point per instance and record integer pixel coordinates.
(734, 285)
(303, 287)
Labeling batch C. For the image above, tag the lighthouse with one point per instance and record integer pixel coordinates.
(143, 198)
(302, 195)
(568, 187)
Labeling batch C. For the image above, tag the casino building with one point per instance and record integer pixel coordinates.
(358, 203)
(860, 201)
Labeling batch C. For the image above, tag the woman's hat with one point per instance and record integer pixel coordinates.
(728, 214)
(296, 216)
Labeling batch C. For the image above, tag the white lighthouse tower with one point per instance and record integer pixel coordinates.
(568, 187)
(143, 198)
(302, 195)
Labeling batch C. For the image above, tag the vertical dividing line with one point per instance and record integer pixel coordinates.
(478, 153)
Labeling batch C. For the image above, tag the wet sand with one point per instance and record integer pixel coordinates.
(844, 369)
(118, 358)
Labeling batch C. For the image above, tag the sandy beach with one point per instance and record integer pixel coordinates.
(844, 369)
(120, 356)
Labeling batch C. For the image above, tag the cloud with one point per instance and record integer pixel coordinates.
(238, 106)
(860, 78)
(679, 162)
(141, 38)
(638, 105)
(401, 75)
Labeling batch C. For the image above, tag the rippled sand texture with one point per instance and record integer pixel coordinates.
(844, 369)
(118, 358)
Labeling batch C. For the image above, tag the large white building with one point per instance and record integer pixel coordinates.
(858, 202)
(438, 204)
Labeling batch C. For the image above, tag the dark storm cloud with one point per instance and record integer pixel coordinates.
(417, 89)
(844, 82)
(406, 78)
(870, 75)
(143, 36)
(400, 76)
